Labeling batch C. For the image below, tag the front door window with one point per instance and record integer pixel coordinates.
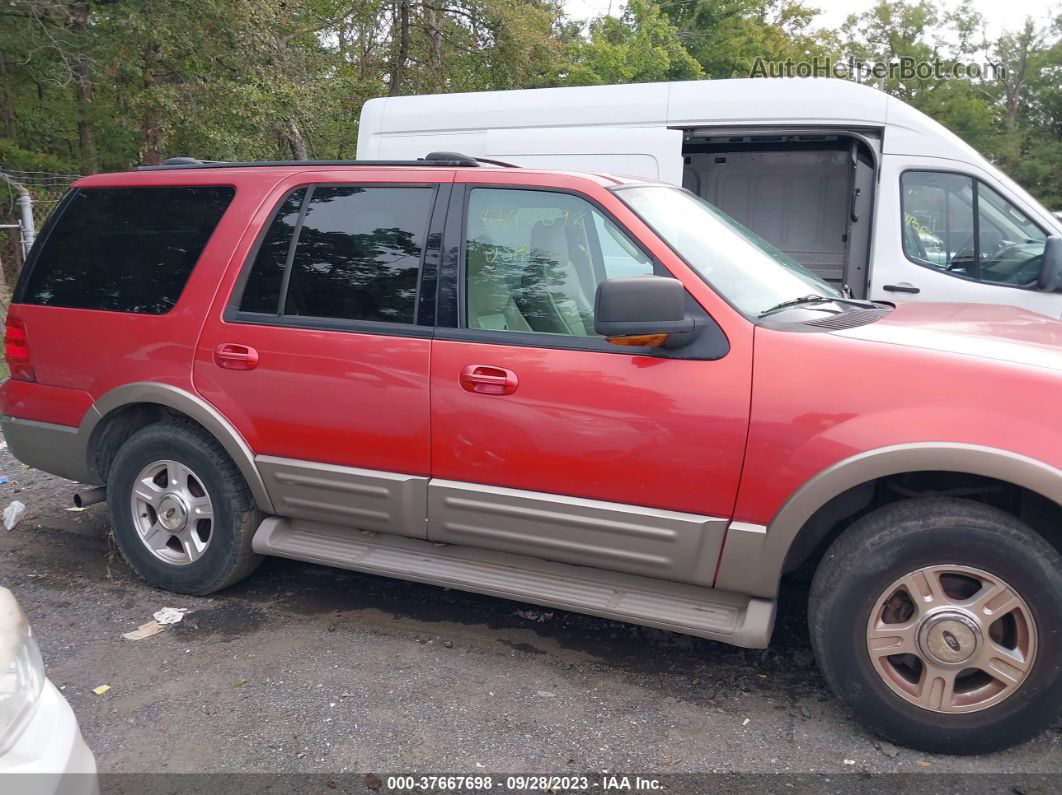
(534, 260)
(959, 225)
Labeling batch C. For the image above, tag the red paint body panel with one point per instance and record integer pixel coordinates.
(351, 399)
(43, 403)
(984, 321)
(664, 433)
(821, 398)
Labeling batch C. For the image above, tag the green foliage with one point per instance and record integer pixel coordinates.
(641, 46)
(15, 158)
(727, 36)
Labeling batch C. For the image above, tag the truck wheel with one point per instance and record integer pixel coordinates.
(182, 514)
(937, 621)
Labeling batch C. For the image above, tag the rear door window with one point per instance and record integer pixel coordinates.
(267, 274)
(124, 249)
(342, 253)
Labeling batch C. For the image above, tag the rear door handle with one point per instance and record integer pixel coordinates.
(485, 379)
(231, 356)
(902, 287)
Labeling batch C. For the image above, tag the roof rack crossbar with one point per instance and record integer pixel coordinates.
(434, 159)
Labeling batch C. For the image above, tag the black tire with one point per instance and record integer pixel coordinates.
(228, 558)
(898, 539)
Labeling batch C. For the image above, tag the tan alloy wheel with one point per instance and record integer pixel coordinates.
(951, 638)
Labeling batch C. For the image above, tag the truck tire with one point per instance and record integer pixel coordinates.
(939, 622)
(181, 512)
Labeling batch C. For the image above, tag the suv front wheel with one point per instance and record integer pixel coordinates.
(182, 514)
(935, 620)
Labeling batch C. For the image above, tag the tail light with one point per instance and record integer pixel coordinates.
(16, 350)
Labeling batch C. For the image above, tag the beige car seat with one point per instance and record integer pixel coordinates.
(490, 300)
(552, 297)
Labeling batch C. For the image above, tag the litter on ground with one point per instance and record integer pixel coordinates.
(170, 615)
(144, 631)
(162, 618)
(12, 513)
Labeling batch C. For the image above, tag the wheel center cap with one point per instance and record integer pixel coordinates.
(172, 512)
(949, 637)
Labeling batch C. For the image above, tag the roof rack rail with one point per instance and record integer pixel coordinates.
(468, 160)
(437, 159)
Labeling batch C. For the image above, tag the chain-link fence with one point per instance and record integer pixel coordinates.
(44, 189)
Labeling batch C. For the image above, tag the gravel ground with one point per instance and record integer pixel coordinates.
(309, 669)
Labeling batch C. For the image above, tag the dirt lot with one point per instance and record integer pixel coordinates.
(308, 669)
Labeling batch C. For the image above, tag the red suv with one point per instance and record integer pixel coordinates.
(577, 390)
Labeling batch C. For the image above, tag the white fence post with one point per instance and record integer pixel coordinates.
(29, 230)
(25, 204)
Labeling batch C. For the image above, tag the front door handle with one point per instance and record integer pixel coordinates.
(902, 287)
(485, 379)
(231, 356)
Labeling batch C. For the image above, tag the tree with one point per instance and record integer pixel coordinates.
(641, 46)
(727, 36)
(1034, 152)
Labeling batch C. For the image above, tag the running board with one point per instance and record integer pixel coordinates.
(690, 609)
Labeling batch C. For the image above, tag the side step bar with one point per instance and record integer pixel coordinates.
(690, 609)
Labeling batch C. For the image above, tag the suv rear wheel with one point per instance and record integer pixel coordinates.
(935, 620)
(182, 514)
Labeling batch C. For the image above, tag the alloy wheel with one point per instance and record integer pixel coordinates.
(952, 638)
(172, 512)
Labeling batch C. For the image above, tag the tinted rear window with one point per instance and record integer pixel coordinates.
(125, 249)
(263, 285)
(357, 255)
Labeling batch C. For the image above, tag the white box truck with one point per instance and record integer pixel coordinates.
(858, 186)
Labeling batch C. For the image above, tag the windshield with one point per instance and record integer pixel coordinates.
(744, 268)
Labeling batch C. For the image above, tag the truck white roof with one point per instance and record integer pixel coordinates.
(797, 102)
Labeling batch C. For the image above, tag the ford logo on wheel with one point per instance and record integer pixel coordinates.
(951, 640)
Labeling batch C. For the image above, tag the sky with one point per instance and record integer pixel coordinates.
(998, 14)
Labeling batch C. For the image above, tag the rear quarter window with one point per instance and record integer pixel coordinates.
(124, 249)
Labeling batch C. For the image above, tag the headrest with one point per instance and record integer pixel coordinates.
(549, 243)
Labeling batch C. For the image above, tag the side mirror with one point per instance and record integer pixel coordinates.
(641, 310)
(1050, 279)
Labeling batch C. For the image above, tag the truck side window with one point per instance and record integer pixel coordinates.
(533, 260)
(124, 249)
(262, 293)
(358, 254)
(962, 226)
(354, 254)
